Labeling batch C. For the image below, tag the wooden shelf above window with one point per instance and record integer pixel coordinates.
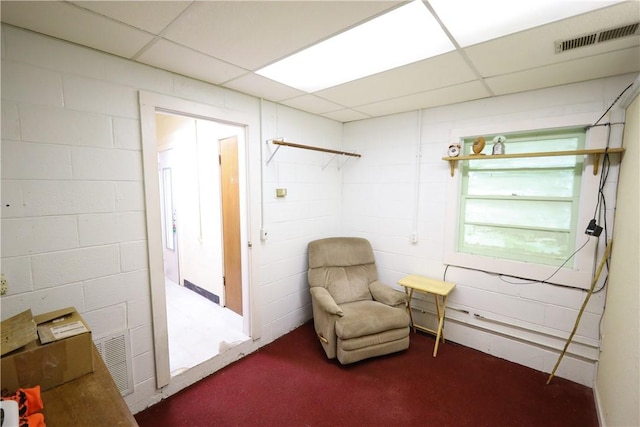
(596, 152)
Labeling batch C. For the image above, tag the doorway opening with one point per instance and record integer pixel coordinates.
(199, 178)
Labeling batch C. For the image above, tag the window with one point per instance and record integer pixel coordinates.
(522, 209)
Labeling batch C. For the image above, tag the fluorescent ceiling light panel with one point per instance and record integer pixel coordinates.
(472, 22)
(403, 36)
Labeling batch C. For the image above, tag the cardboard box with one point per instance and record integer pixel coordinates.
(63, 353)
(17, 331)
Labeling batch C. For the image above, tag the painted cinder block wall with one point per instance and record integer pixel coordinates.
(74, 232)
(400, 188)
(73, 219)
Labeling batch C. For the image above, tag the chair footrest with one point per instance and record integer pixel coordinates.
(373, 340)
(368, 318)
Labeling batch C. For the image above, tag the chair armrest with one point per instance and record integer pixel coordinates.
(325, 300)
(386, 294)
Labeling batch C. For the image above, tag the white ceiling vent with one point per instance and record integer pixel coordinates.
(597, 37)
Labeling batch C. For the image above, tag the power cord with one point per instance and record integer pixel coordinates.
(611, 106)
(525, 281)
(546, 281)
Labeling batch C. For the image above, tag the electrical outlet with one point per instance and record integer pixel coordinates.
(4, 285)
(414, 237)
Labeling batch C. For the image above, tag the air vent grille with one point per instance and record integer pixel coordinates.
(597, 37)
(616, 33)
(576, 43)
(115, 352)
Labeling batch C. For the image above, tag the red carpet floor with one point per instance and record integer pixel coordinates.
(291, 383)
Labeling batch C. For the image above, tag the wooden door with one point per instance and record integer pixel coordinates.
(231, 223)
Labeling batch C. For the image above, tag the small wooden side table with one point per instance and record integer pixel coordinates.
(439, 289)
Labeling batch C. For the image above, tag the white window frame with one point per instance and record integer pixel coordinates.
(581, 272)
(534, 141)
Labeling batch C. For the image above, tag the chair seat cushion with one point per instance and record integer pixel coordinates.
(362, 318)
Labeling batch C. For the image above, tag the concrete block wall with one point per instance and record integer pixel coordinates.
(399, 190)
(73, 231)
(310, 210)
(73, 215)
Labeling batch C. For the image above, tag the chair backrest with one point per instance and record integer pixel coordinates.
(345, 266)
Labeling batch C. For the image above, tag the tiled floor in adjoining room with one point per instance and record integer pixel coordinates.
(198, 328)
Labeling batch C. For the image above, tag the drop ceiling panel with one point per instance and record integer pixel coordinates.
(594, 67)
(253, 34)
(221, 42)
(471, 22)
(173, 57)
(69, 22)
(345, 115)
(136, 13)
(312, 104)
(535, 47)
(448, 95)
(444, 70)
(262, 87)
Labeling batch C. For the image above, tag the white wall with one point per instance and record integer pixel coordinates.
(385, 202)
(73, 229)
(73, 220)
(311, 209)
(618, 371)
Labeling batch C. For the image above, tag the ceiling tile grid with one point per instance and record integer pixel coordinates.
(535, 48)
(625, 61)
(253, 34)
(137, 13)
(262, 87)
(225, 42)
(66, 21)
(182, 60)
(441, 96)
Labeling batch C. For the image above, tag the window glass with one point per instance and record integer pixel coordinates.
(522, 208)
(522, 183)
(543, 214)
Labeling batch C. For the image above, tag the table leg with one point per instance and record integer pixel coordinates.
(409, 293)
(440, 333)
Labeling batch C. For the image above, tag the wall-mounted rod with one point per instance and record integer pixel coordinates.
(308, 147)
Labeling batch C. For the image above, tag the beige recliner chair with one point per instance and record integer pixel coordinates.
(355, 316)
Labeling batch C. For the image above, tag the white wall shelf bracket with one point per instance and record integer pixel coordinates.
(336, 157)
(274, 151)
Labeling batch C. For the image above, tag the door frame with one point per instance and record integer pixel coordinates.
(150, 103)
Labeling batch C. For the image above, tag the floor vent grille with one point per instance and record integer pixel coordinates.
(115, 351)
(597, 37)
